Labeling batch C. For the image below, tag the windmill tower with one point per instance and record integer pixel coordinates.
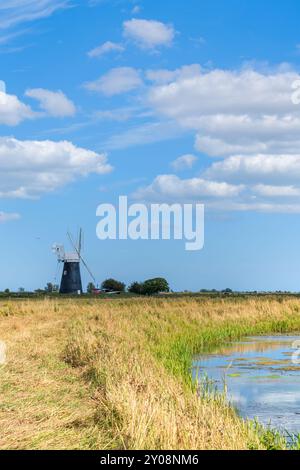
(71, 277)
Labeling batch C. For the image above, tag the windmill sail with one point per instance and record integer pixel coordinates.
(78, 251)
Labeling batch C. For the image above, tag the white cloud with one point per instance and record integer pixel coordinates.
(106, 48)
(247, 119)
(54, 103)
(136, 10)
(220, 196)
(215, 147)
(145, 134)
(165, 76)
(8, 217)
(31, 168)
(116, 81)
(20, 11)
(221, 92)
(225, 134)
(271, 169)
(172, 188)
(12, 110)
(185, 162)
(262, 183)
(161, 76)
(252, 206)
(276, 191)
(232, 111)
(148, 34)
(16, 12)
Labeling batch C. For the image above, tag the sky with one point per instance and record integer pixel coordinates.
(164, 102)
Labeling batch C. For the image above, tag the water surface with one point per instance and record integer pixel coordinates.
(261, 378)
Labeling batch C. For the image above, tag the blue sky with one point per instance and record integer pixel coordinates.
(164, 102)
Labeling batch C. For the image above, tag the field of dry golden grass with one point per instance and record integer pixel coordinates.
(115, 374)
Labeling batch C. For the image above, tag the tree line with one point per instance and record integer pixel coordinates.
(148, 287)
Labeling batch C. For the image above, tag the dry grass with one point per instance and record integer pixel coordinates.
(43, 402)
(96, 374)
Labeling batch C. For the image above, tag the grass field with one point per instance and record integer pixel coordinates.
(115, 374)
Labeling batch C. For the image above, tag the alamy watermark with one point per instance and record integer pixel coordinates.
(152, 222)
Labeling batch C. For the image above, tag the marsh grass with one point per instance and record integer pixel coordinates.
(116, 374)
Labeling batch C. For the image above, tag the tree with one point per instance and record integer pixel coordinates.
(149, 287)
(49, 287)
(21, 290)
(90, 288)
(136, 288)
(113, 286)
(154, 286)
(227, 291)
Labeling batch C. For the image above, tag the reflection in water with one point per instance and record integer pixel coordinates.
(258, 345)
(262, 381)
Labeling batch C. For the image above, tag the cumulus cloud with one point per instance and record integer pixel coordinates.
(253, 206)
(248, 134)
(31, 168)
(54, 103)
(276, 191)
(245, 118)
(185, 162)
(12, 110)
(262, 183)
(219, 92)
(116, 81)
(148, 34)
(222, 196)
(165, 76)
(273, 169)
(106, 48)
(232, 111)
(172, 188)
(8, 216)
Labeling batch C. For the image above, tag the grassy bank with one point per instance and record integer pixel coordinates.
(116, 373)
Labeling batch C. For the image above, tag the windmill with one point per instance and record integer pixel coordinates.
(71, 277)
